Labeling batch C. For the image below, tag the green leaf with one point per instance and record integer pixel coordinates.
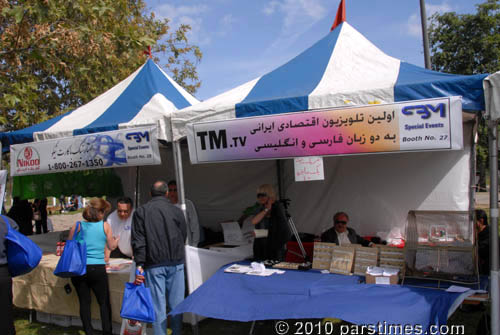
(18, 13)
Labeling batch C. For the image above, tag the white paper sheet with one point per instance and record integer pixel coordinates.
(232, 233)
(309, 168)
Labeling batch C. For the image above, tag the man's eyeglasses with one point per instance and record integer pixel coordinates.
(172, 190)
(260, 195)
(340, 222)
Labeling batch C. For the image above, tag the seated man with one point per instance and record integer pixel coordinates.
(341, 235)
(121, 224)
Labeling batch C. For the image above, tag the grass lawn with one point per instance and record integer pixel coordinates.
(24, 327)
(468, 319)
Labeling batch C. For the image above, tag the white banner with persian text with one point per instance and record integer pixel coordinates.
(125, 147)
(433, 124)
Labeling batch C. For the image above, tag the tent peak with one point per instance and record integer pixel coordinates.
(340, 17)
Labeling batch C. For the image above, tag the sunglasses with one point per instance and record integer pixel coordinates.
(172, 190)
(260, 195)
(340, 222)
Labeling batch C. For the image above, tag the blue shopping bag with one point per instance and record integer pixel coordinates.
(73, 261)
(137, 303)
(23, 255)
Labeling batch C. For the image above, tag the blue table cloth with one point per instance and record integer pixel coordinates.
(311, 294)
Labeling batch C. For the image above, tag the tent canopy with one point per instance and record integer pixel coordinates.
(147, 96)
(492, 96)
(343, 68)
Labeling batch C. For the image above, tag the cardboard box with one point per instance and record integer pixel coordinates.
(382, 280)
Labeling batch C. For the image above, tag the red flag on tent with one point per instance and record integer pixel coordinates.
(148, 52)
(340, 17)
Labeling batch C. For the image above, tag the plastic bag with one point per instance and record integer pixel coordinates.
(73, 261)
(137, 303)
(23, 255)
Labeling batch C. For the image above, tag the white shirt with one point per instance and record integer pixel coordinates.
(122, 228)
(343, 238)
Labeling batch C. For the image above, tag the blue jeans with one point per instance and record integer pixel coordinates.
(166, 283)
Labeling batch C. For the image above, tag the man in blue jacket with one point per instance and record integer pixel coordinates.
(158, 234)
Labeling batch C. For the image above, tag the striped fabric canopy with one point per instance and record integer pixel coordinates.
(343, 68)
(148, 96)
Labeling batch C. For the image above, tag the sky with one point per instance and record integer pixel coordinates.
(244, 39)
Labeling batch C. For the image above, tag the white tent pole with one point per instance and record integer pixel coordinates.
(136, 191)
(176, 146)
(495, 288)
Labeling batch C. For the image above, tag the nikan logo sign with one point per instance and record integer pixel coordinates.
(28, 159)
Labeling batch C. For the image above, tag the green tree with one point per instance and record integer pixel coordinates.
(468, 44)
(56, 55)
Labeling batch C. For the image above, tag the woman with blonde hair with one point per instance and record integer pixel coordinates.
(270, 220)
(96, 234)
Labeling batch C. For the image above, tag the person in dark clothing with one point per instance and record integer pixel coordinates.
(62, 203)
(40, 215)
(6, 313)
(272, 231)
(158, 233)
(37, 216)
(22, 213)
(340, 234)
(483, 241)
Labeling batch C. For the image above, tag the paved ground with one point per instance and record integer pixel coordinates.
(483, 199)
(65, 221)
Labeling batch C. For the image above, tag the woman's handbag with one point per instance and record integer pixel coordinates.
(137, 303)
(73, 261)
(23, 255)
(37, 216)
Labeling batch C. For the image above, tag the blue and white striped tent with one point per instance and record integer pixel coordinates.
(343, 68)
(148, 96)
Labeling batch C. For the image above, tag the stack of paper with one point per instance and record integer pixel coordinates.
(381, 271)
(375, 271)
(255, 269)
(390, 272)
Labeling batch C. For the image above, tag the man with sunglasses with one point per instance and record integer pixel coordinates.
(341, 235)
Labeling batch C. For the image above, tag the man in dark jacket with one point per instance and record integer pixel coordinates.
(158, 234)
(341, 235)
